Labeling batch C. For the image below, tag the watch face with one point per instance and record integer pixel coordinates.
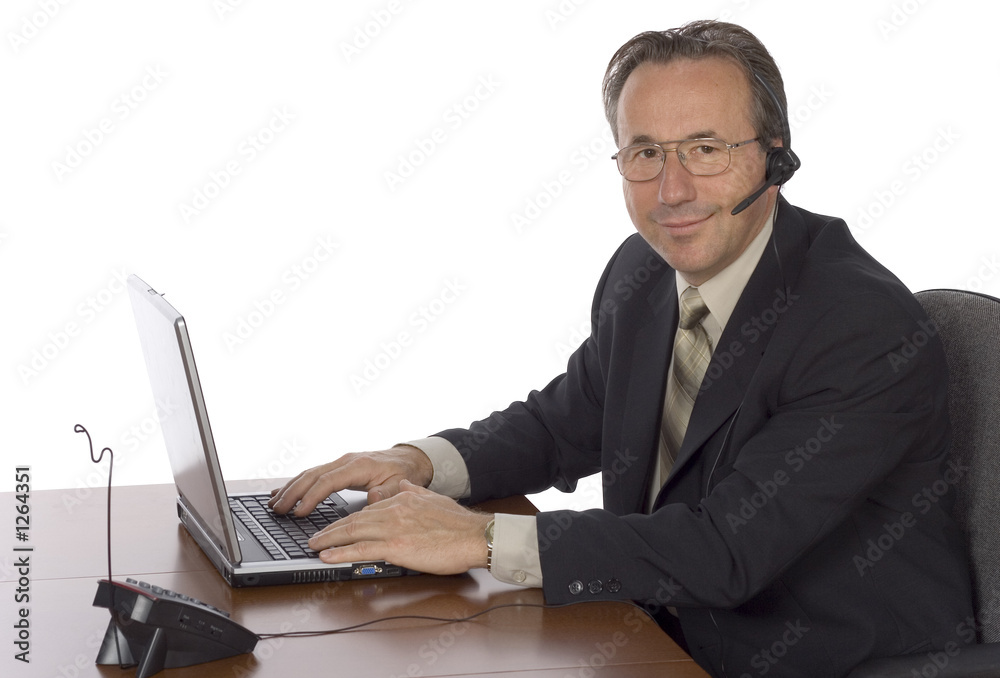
(489, 533)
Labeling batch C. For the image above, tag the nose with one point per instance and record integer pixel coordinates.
(676, 183)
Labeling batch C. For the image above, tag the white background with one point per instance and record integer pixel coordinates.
(498, 105)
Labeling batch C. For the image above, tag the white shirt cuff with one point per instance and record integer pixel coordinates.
(451, 477)
(515, 550)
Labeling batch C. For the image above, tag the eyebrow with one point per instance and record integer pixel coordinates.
(646, 139)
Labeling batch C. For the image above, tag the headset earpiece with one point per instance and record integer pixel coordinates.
(781, 165)
(781, 161)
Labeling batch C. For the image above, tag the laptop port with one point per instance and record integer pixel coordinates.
(367, 570)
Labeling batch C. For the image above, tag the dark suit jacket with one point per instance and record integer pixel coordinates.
(805, 525)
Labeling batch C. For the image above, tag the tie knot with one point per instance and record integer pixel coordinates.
(693, 308)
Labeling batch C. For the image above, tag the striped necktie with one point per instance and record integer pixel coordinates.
(692, 353)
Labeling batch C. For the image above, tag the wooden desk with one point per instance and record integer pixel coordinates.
(70, 554)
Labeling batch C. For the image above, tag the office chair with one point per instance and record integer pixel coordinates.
(969, 327)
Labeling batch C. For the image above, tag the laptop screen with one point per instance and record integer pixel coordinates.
(186, 431)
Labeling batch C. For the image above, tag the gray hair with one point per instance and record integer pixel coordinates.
(698, 40)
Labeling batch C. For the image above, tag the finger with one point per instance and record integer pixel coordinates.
(365, 525)
(309, 488)
(305, 491)
(390, 488)
(407, 486)
(284, 494)
(377, 472)
(318, 489)
(353, 553)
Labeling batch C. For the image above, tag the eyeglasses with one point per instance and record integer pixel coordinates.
(701, 157)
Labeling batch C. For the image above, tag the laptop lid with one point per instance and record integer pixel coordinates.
(204, 507)
(187, 434)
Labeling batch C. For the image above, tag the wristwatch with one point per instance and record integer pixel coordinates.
(489, 545)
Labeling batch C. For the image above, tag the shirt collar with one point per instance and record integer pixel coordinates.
(723, 290)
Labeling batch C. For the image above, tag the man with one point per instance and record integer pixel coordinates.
(762, 440)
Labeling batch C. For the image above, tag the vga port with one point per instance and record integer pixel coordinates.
(367, 570)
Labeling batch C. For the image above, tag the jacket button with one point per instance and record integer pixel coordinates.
(595, 586)
(614, 586)
(576, 587)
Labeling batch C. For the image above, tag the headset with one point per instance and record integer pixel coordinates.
(781, 161)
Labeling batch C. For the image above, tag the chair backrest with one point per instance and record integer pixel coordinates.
(969, 327)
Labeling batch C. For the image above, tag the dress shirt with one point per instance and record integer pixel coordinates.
(720, 294)
(515, 541)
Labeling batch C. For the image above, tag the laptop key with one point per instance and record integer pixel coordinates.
(290, 533)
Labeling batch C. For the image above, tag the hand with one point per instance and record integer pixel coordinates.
(415, 528)
(377, 472)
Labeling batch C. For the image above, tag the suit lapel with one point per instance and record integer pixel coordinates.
(734, 362)
(647, 369)
(746, 335)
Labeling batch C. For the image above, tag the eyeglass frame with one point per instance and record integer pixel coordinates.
(663, 159)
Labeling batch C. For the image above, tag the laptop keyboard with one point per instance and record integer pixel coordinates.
(289, 532)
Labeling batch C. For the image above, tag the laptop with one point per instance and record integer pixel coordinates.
(248, 543)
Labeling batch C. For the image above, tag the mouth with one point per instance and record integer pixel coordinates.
(682, 226)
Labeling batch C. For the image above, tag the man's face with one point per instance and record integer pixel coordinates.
(686, 218)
